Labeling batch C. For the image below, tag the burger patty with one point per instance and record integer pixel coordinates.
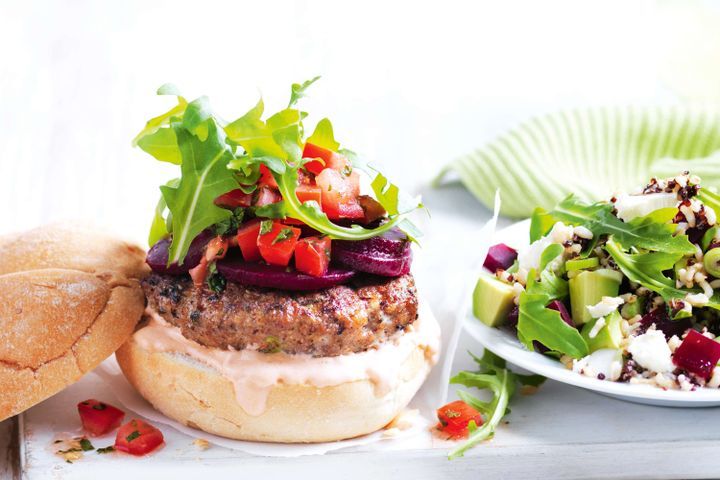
(334, 321)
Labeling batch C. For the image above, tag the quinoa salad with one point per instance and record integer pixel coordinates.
(621, 290)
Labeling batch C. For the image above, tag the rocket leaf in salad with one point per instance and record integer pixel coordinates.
(643, 232)
(536, 322)
(647, 270)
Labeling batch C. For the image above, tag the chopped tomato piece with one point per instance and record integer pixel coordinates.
(339, 163)
(455, 417)
(138, 438)
(266, 177)
(339, 194)
(234, 199)
(312, 255)
(266, 195)
(278, 243)
(324, 159)
(306, 193)
(247, 237)
(321, 154)
(99, 418)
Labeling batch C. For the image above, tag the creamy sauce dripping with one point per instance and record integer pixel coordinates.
(253, 374)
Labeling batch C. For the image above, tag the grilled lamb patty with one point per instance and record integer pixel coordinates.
(334, 321)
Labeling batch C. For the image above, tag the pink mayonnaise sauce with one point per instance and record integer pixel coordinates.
(253, 373)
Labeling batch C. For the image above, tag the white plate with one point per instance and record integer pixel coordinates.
(507, 346)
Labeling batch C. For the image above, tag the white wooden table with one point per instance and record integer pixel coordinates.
(560, 432)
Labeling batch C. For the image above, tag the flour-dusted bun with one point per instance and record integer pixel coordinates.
(74, 247)
(69, 297)
(199, 396)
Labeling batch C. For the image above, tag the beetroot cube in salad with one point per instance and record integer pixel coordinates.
(697, 354)
(500, 256)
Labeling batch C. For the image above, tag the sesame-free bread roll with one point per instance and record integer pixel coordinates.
(69, 297)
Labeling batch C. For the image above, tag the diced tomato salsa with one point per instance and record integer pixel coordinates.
(99, 418)
(247, 236)
(312, 255)
(277, 244)
(455, 418)
(266, 177)
(329, 181)
(138, 438)
(340, 194)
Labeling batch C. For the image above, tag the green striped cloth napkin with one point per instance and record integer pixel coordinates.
(591, 152)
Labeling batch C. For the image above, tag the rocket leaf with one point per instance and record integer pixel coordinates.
(537, 322)
(162, 120)
(253, 135)
(297, 90)
(161, 144)
(493, 375)
(323, 136)
(642, 232)
(647, 269)
(205, 177)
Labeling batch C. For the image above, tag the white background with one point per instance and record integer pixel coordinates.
(410, 85)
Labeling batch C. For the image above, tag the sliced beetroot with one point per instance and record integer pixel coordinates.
(500, 256)
(385, 265)
(271, 276)
(697, 354)
(388, 254)
(157, 257)
(662, 321)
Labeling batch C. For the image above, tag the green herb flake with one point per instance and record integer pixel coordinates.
(271, 210)
(70, 450)
(85, 445)
(266, 227)
(271, 345)
(285, 234)
(103, 450)
(215, 281)
(99, 406)
(230, 225)
(135, 434)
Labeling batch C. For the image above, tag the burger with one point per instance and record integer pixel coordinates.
(280, 306)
